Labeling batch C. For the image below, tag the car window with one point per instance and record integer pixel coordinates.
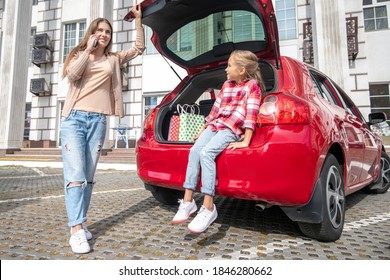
(348, 103)
(332, 92)
(321, 88)
(200, 36)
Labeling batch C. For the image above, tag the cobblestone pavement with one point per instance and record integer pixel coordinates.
(128, 223)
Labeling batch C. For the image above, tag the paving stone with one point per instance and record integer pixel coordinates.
(128, 223)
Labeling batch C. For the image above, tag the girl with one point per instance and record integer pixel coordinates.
(95, 91)
(230, 124)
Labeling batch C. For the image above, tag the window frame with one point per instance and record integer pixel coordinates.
(281, 17)
(385, 109)
(79, 33)
(375, 4)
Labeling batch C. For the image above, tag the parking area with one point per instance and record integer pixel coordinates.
(129, 224)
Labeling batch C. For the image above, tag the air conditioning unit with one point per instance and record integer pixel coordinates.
(42, 41)
(41, 56)
(39, 87)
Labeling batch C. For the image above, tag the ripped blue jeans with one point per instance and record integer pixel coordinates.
(202, 158)
(82, 138)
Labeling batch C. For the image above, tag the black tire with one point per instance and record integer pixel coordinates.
(166, 196)
(382, 183)
(333, 204)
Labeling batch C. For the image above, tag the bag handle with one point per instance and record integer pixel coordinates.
(181, 109)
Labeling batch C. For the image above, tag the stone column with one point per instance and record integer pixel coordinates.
(14, 64)
(101, 8)
(330, 40)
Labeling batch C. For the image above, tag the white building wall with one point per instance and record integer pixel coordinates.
(150, 74)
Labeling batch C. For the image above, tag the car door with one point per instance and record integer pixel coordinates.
(371, 149)
(349, 128)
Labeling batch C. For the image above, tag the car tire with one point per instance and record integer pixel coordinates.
(333, 204)
(166, 196)
(382, 183)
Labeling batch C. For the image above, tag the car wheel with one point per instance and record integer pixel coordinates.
(164, 195)
(333, 204)
(382, 183)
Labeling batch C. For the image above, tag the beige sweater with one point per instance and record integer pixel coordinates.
(80, 61)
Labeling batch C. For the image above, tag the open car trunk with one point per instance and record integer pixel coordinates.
(199, 90)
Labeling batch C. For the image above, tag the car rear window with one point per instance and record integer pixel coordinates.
(200, 36)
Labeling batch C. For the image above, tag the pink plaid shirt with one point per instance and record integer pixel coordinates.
(236, 107)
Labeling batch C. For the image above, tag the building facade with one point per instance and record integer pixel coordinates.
(343, 38)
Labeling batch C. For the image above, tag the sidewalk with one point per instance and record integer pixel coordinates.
(115, 159)
(57, 164)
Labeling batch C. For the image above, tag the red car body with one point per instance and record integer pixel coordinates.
(311, 147)
(283, 162)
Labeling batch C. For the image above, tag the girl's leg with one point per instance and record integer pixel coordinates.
(187, 204)
(193, 166)
(208, 213)
(207, 159)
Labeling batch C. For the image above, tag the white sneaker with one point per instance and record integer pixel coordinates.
(185, 210)
(203, 220)
(88, 234)
(79, 243)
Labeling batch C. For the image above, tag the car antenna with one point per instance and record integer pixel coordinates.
(174, 71)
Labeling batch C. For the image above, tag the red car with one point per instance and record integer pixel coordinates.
(312, 146)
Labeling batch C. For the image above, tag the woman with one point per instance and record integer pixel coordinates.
(95, 91)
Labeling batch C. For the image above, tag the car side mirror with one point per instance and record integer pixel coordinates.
(377, 117)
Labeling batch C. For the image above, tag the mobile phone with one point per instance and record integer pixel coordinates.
(95, 43)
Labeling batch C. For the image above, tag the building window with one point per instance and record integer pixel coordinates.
(375, 14)
(27, 121)
(246, 27)
(182, 39)
(286, 18)
(151, 101)
(73, 34)
(380, 98)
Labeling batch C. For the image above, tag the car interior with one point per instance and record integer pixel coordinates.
(199, 91)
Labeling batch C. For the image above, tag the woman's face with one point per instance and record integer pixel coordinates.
(103, 34)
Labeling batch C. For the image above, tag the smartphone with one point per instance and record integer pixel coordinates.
(95, 43)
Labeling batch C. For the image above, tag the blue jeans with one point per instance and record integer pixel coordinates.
(202, 155)
(82, 138)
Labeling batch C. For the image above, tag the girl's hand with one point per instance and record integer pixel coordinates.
(237, 145)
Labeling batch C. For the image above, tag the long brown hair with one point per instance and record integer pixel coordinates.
(250, 62)
(83, 44)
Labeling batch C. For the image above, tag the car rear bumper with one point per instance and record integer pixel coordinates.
(279, 168)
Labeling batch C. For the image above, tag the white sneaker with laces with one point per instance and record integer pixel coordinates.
(185, 211)
(79, 243)
(88, 234)
(203, 219)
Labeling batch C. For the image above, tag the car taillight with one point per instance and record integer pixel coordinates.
(149, 120)
(283, 109)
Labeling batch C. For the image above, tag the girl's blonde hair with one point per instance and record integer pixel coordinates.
(250, 62)
(83, 44)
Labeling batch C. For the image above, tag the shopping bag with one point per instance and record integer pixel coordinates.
(173, 134)
(191, 122)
